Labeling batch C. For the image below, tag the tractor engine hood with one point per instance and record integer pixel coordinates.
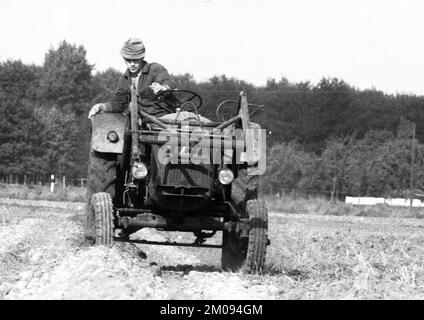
(181, 187)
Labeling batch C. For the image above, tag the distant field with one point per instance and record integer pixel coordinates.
(36, 192)
(323, 206)
(286, 203)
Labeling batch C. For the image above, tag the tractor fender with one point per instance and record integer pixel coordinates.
(256, 146)
(101, 125)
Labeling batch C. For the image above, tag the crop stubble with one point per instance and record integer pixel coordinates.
(43, 256)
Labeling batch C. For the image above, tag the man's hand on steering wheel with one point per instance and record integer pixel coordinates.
(157, 87)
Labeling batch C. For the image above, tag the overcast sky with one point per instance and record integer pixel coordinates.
(369, 43)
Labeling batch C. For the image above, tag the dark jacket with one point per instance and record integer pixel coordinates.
(151, 72)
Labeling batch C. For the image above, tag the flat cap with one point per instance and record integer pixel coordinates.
(133, 49)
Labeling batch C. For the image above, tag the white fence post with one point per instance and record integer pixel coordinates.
(52, 183)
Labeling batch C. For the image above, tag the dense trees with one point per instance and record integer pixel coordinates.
(377, 165)
(42, 112)
(19, 140)
(328, 137)
(66, 80)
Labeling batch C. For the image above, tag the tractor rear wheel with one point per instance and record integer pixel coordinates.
(101, 173)
(244, 188)
(100, 226)
(247, 254)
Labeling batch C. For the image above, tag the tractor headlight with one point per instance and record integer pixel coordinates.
(112, 136)
(225, 176)
(139, 170)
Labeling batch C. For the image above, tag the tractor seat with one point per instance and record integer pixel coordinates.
(184, 115)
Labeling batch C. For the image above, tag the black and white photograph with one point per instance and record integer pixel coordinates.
(228, 152)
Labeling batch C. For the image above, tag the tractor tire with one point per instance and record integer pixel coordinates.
(247, 254)
(258, 235)
(100, 227)
(102, 170)
(244, 188)
(235, 248)
(102, 173)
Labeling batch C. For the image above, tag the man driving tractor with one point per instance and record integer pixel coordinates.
(149, 79)
(131, 186)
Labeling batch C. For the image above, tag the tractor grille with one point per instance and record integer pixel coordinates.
(185, 175)
(181, 187)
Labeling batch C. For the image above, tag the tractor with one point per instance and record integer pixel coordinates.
(180, 172)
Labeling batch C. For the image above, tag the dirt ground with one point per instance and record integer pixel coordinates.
(43, 255)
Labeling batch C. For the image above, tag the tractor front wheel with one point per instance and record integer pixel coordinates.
(247, 253)
(99, 224)
(258, 235)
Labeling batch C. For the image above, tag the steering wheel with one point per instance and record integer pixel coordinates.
(183, 99)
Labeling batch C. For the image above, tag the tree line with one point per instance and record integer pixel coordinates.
(326, 137)
(379, 164)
